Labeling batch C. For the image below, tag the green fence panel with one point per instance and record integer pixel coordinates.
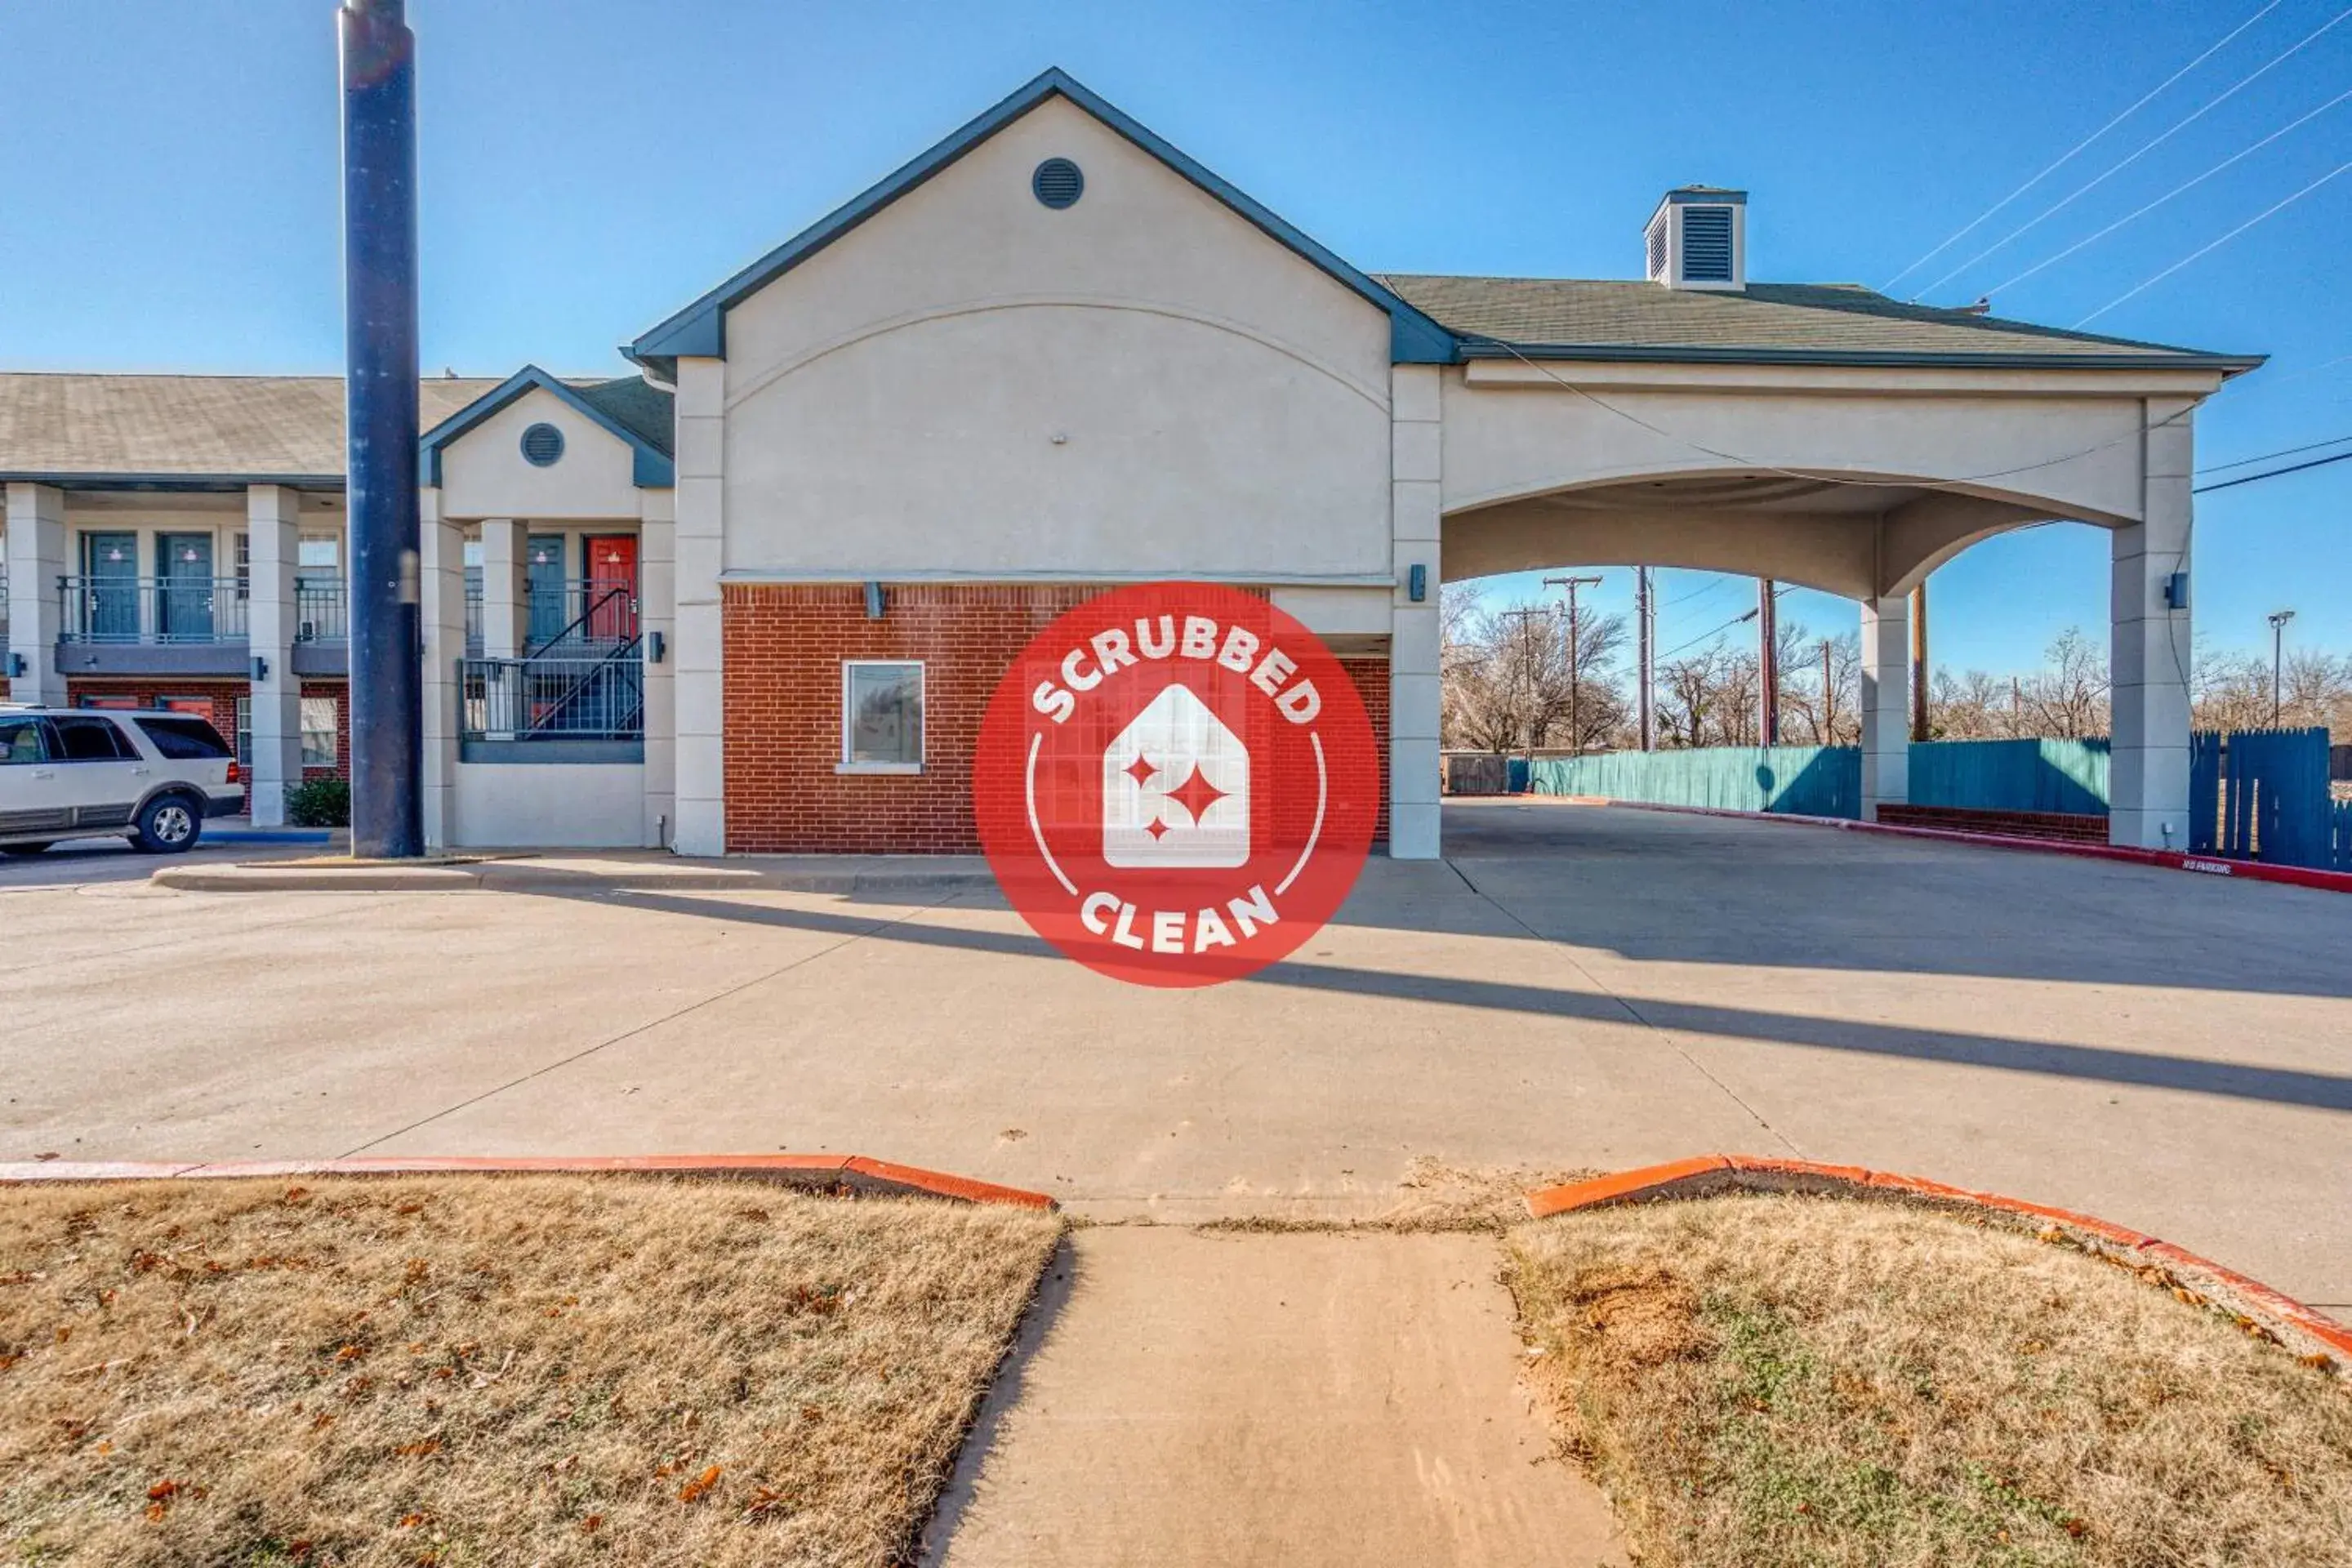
(2011, 775)
(1806, 781)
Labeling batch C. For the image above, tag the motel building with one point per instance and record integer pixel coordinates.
(755, 598)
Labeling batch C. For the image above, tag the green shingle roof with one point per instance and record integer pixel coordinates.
(1571, 318)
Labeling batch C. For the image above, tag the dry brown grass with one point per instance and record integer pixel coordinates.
(490, 1370)
(1780, 1379)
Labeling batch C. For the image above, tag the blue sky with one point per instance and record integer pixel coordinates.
(169, 172)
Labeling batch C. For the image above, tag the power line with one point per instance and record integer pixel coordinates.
(2282, 452)
(2064, 157)
(2142, 149)
(1717, 632)
(2204, 250)
(2271, 473)
(2184, 185)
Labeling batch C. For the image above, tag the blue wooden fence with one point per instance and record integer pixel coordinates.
(2261, 795)
(2011, 775)
(1809, 780)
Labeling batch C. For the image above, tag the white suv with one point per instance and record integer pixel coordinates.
(81, 772)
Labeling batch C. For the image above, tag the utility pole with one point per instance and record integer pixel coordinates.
(1920, 729)
(1767, 661)
(1575, 735)
(1645, 615)
(1829, 699)
(2279, 619)
(379, 81)
(1527, 673)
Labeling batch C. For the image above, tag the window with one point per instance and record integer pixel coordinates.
(89, 740)
(243, 552)
(325, 553)
(881, 717)
(245, 732)
(186, 739)
(20, 741)
(317, 731)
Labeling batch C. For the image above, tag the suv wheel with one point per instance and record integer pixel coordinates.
(168, 825)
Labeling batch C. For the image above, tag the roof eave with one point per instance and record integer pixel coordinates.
(651, 469)
(185, 484)
(1496, 348)
(700, 329)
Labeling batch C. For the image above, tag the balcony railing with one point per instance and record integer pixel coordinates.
(544, 698)
(321, 610)
(151, 610)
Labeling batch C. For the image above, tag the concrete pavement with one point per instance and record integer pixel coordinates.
(1579, 986)
(1297, 1400)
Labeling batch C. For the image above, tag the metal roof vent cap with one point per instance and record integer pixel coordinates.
(1697, 238)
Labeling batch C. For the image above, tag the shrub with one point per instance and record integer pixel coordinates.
(320, 803)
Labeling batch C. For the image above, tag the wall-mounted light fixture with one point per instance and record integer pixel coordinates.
(655, 646)
(17, 664)
(2176, 591)
(260, 669)
(1417, 583)
(873, 601)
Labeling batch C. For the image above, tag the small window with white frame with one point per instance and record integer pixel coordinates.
(881, 716)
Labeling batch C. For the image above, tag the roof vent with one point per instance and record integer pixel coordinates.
(1699, 238)
(541, 445)
(1058, 184)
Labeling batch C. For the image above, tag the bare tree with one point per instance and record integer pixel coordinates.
(1509, 681)
(1974, 706)
(1830, 708)
(2067, 696)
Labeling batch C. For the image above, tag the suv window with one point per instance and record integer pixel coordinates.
(20, 741)
(184, 740)
(89, 740)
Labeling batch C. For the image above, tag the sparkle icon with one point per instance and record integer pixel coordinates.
(1149, 819)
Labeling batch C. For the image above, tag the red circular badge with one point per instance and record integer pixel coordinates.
(1176, 784)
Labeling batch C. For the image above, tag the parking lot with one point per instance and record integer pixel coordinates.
(1574, 987)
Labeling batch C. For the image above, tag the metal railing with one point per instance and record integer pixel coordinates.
(549, 698)
(321, 610)
(584, 613)
(109, 609)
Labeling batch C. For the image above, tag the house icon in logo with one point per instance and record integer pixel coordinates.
(1176, 788)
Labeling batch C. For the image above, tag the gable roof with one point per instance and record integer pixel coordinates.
(700, 329)
(1810, 323)
(187, 432)
(625, 406)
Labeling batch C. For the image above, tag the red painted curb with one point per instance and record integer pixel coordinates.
(2168, 860)
(832, 1173)
(2280, 1316)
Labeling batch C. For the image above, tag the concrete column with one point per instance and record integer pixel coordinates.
(37, 558)
(2148, 651)
(506, 587)
(700, 542)
(658, 618)
(441, 583)
(1415, 458)
(1885, 703)
(273, 530)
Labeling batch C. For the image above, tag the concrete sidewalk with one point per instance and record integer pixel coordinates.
(1290, 1399)
(586, 872)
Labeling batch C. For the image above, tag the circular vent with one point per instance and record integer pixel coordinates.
(541, 445)
(1058, 184)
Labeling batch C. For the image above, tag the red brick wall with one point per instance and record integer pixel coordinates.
(1371, 679)
(147, 691)
(785, 646)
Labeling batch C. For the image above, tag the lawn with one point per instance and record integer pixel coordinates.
(1784, 1379)
(490, 1370)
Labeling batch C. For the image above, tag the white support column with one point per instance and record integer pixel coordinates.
(1415, 505)
(273, 530)
(1885, 703)
(657, 621)
(700, 541)
(2149, 650)
(441, 583)
(506, 587)
(37, 558)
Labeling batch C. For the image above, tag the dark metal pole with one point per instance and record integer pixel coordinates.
(1767, 659)
(381, 425)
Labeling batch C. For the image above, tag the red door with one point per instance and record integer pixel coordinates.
(611, 586)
